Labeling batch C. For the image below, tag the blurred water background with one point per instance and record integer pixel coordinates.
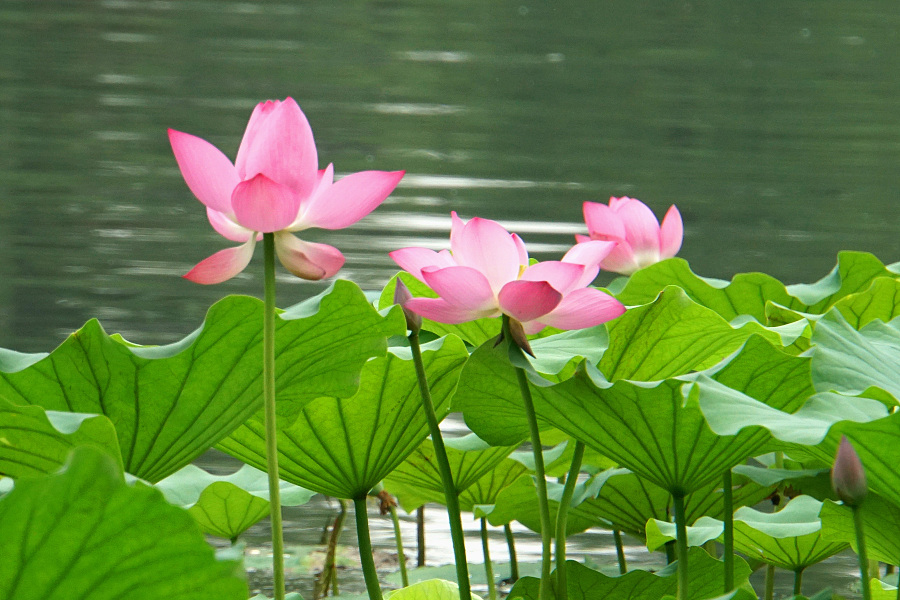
(773, 125)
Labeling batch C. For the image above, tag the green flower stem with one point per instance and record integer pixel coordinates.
(451, 495)
(401, 556)
(513, 561)
(770, 582)
(562, 514)
(861, 552)
(488, 567)
(271, 430)
(539, 477)
(328, 577)
(365, 548)
(620, 552)
(728, 519)
(420, 536)
(798, 581)
(681, 549)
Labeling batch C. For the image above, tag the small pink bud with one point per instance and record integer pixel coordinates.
(401, 297)
(848, 478)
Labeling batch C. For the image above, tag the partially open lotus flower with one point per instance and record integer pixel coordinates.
(486, 273)
(274, 186)
(640, 239)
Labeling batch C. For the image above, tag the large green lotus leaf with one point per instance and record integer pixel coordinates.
(85, 533)
(169, 404)
(417, 480)
(706, 575)
(36, 442)
(433, 589)
(344, 447)
(704, 529)
(556, 352)
(880, 301)
(228, 505)
(881, 523)
(853, 273)
(881, 590)
(489, 486)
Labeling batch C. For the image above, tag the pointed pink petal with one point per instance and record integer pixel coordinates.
(621, 260)
(582, 308)
(561, 275)
(463, 287)
(351, 198)
(520, 246)
(226, 227)
(641, 228)
(438, 309)
(602, 222)
(223, 265)
(486, 246)
(671, 233)
(413, 260)
(307, 260)
(279, 144)
(456, 227)
(528, 300)
(589, 253)
(615, 203)
(582, 238)
(264, 205)
(324, 181)
(208, 173)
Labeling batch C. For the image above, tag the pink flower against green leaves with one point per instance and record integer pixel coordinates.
(640, 240)
(848, 478)
(275, 186)
(486, 273)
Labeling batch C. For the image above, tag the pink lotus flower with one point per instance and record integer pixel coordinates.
(486, 274)
(274, 186)
(640, 240)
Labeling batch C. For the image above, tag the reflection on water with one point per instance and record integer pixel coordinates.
(773, 126)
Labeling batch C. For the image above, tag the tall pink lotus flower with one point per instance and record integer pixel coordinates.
(640, 240)
(486, 273)
(274, 186)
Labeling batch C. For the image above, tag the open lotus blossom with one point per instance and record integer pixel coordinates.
(486, 273)
(640, 240)
(274, 186)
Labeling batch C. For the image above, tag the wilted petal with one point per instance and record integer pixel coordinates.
(351, 198)
(487, 247)
(438, 309)
(402, 295)
(561, 275)
(264, 205)
(461, 286)
(602, 222)
(208, 173)
(413, 260)
(528, 300)
(223, 265)
(226, 227)
(582, 308)
(671, 232)
(307, 260)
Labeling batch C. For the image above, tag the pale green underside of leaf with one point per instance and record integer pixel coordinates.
(518, 502)
(432, 589)
(881, 523)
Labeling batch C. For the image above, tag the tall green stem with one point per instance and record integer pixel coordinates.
(420, 536)
(488, 567)
(271, 429)
(562, 514)
(620, 552)
(513, 560)
(770, 582)
(681, 549)
(861, 552)
(798, 581)
(365, 548)
(451, 495)
(728, 540)
(401, 556)
(539, 477)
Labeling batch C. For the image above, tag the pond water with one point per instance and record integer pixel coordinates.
(773, 125)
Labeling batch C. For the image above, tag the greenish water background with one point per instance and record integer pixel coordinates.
(773, 125)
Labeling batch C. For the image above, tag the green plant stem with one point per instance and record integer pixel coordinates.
(328, 578)
(670, 551)
(401, 556)
(770, 582)
(488, 567)
(451, 495)
(681, 548)
(513, 561)
(562, 514)
(365, 548)
(798, 581)
(861, 552)
(620, 552)
(271, 429)
(728, 539)
(420, 537)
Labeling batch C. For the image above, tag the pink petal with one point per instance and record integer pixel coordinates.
(520, 246)
(324, 181)
(621, 260)
(223, 265)
(456, 228)
(561, 275)
(582, 308)
(486, 246)
(351, 199)
(463, 287)
(264, 205)
(528, 300)
(641, 227)
(590, 254)
(438, 309)
(602, 222)
(208, 173)
(413, 260)
(671, 233)
(226, 227)
(582, 238)
(307, 260)
(279, 143)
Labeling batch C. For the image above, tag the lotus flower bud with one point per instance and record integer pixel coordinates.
(402, 295)
(848, 478)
